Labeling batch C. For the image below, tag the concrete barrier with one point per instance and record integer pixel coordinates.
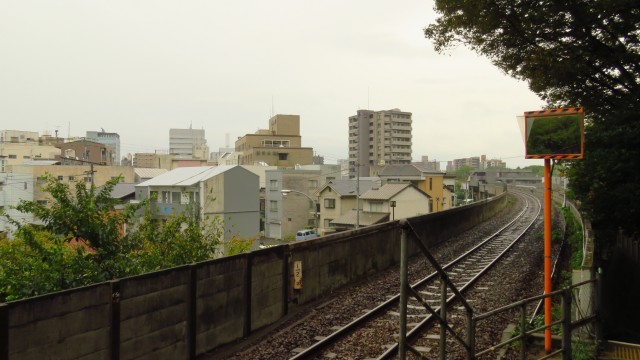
(182, 312)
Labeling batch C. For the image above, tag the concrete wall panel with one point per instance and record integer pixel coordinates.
(68, 324)
(154, 310)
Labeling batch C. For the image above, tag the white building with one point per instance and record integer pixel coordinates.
(187, 143)
(229, 192)
(13, 188)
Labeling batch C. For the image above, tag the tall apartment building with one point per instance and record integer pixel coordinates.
(188, 143)
(475, 163)
(379, 138)
(107, 138)
(280, 145)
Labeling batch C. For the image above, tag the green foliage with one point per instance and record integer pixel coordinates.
(606, 180)
(574, 238)
(571, 53)
(463, 173)
(178, 240)
(237, 245)
(536, 169)
(39, 262)
(556, 236)
(582, 350)
(82, 241)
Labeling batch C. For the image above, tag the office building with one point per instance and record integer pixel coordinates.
(107, 138)
(188, 143)
(280, 145)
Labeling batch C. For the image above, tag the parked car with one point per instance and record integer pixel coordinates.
(306, 234)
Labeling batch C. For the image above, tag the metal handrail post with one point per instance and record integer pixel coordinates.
(404, 284)
(566, 324)
(471, 335)
(443, 319)
(523, 331)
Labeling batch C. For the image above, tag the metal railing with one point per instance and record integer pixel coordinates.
(567, 326)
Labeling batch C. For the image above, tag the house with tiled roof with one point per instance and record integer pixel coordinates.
(339, 197)
(388, 202)
(431, 182)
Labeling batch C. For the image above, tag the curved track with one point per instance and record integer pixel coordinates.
(463, 272)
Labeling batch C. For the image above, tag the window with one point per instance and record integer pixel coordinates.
(329, 203)
(430, 184)
(60, 177)
(87, 179)
(282, 156)
(273, 184)
(313, 184)
(273, 206)
(327, 222)
(375, 206)
(26, 157)
(165, 197)
(72, 178)
(175, 197)
(13, 156)
(42, 202)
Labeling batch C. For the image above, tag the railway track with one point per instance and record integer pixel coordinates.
(421, 328)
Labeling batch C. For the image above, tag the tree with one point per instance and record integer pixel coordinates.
(39, 262)
(463, 172)
(572, 53)
(86, 216)
(575, 53)
(181, 239)
(83, 241)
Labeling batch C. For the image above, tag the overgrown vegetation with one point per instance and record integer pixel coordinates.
(574, 238)
(571, 53)
(83, 239)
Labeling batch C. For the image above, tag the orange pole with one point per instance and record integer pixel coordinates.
(547, 253)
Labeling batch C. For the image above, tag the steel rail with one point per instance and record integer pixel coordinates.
(346, 329)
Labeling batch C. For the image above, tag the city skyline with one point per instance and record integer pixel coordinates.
(140, 69)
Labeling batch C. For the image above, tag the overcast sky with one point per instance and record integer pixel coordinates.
(141, 67)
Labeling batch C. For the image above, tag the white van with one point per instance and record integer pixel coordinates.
(306, 234)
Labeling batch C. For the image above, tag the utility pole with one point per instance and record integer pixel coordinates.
(357, 194)
(91, 163)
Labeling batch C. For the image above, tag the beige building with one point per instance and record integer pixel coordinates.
(431, 182)
(280, 145)
(166, 161)
(17, 147)
(291, 203)
(71, 174)
(385, 203)
(338, 197)
(379, 138)
(75, 152)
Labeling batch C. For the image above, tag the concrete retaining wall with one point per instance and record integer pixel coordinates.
(72, 324)
(182, 312)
